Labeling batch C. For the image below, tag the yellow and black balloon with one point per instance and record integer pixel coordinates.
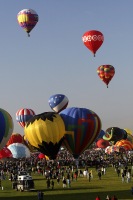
(46, 132)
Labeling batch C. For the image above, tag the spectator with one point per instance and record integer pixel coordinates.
(40, 195)
(114, 198)
(98, 198)
(108, 197)
(52, 184)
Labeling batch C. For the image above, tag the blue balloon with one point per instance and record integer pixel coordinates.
(58, 102)
(100, 136)
(19, 150)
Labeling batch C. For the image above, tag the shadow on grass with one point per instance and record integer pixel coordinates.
(121, 195)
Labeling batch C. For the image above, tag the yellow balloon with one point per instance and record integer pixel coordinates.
(46, 132)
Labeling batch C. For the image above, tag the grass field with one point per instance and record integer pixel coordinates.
(81, 189)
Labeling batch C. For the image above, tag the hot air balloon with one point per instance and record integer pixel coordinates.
(58, 102)
(114, 134)
(46, 132)
(93, 40)
(125, 143)
(5, 153)
(113, 149)
(100, 135)
(106, 73)
(27, 19)
(6, 127)
(82, 128)
(19, 150)
(15, 138)
(23, 115)
(101, 143)
(42, 156)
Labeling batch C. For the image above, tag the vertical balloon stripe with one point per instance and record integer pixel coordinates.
(6, 127)
(2, 125)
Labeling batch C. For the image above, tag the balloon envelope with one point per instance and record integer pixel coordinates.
(125, 143)
(15, 138)
(106, 73)
(114, 134)
(46, 132)
(93, 40)
(23, 115)
(82, 127)
(58, 102)
(101, 143)
(100, 135)
(6, 127)
(19, 150)
(27, 19)
(5, 153)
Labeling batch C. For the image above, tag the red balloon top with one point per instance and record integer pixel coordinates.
(93, 40)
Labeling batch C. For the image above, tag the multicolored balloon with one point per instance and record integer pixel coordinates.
(58, 102)
(46, 132)
(93, 40)
(106, 73)
(15, 138)
(27, 19)
(114, 148)
(115, 134)
(23, 115)
(82, 128)
(125, 143)
(6, 127)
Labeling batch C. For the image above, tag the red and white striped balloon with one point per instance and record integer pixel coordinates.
(23, 115)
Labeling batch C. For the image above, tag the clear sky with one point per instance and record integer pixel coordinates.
(54, 59)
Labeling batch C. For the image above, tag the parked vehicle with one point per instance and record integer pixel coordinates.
(24, 183)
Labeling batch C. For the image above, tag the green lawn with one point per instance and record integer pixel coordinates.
(81, 189)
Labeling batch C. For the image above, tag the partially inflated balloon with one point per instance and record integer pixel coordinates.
(114, 148)
(114, 134)
(106, 73)
(100, 135)
(93, 40)
(101, 143)
(19, 150)
(58, 102)
(5, 153)
(15, 138)
(46, 132)
(23, 115)
(27, 19)
(82, 128)
(125, 143)
(6, 127)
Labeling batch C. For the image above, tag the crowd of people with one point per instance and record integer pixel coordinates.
(66, 169)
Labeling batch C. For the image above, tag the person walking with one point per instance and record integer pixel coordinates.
(99, 174)
(52, 184)
(40, 195)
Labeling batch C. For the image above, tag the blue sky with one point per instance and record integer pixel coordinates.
(54, 59)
